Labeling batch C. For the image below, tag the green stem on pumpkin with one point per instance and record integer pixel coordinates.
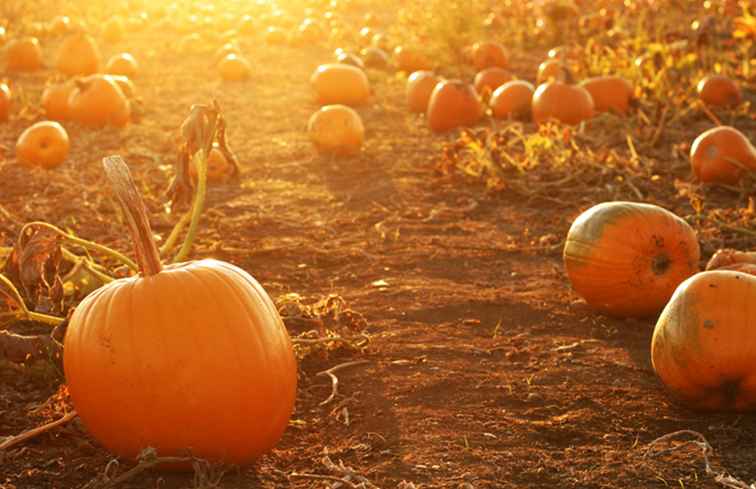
(200, 160)
(90, 245)
(24, 314)
(133, 207)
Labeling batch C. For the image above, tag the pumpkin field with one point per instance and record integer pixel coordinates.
(408, 244)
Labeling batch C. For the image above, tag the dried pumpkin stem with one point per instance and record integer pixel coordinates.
(23, 313)
(200, 160)
(89, 245)
(133, 206)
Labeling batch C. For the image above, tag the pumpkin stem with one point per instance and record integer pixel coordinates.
(660, 264)
(132, 204)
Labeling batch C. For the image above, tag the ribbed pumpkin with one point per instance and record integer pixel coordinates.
(570, 104)
(234, 67)
(191, 357)
(122, 64)
(452, 104)
(420, 85)
(78, 55)
(512, 100)
(340, 84)
(23, 55)
(44, 145)
(721, 155)
(98, 101)
(55, 100)
(337, 130)
(702, 347)
(5, 102)
(626, 259)
(488, 80)
(609, 93)
(719, 91)
(488, 54)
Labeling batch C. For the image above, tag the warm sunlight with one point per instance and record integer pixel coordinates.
(377, 244)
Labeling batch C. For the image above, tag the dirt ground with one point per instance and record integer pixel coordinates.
(483, 369)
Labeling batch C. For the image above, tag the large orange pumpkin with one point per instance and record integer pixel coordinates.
(609, 93)
(5, 102)
(626, 259)
(55, 100)
(702, 347)
(488, 80)
(340, 84)
(23, 55)
(122, 64)
(488, 54)
(452, 104)
(570, 104)
(78, 55)
(721, 155)
(513, 99)
(420, 85)
(191, 357)
(719, 91)
(337, 130)
(98, 101)
(44, 144)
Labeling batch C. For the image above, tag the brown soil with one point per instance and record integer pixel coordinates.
(484, 369)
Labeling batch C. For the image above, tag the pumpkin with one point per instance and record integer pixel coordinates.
(345, 58)
(123, 82)
(512, 100)
(113, 30)
(719, 91)
(78, 55)
(122, 64)
(55, 100)
(551, 70)
(379, 40)
(409, 60)
(488, 80)
(728, 258)
(275, 35)
(44, 144)
(98, 101)
(570, 104)
(337, 130)
(452, 104)
(60, 25)
(194, 356)
(488, 54)
(701, 348)
(626, 259)
(219, 169)
(375, 58)
(609, 93)
(5, 102)
(234, 68)
(721, 154)
(23, 54)
(340, 84)
(420, 85)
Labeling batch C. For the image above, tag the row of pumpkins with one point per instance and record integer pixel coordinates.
(719, 155)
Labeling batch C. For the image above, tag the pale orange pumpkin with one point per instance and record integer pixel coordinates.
(78, 55)
(488, 80)
(719, 91)
(98, 101)
(512, 100)
(44, 145)
(721, 155)
(122, 64)
(55, 100)
(340, 84)
(626, 259)
(453, 104)
(420, 85)
(194, 356)
(234, 67)
(410, 60)
(702, 343)
(488, 54)
(570, 104)
(23, 54)
(337, 130)
(609, 93)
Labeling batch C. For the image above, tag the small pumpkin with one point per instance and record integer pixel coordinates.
(346, 58)
(44, 144)
(420, 85)
(234, 67)
(453, 103)
(5, 102)
(551, 70)
(275, 36)
(719, 91)
(194, 344)
(609, 93)
(376, 58)
(340, 84)
(337, 130)
(721, 155)
(98, 101)
(78, 55)
(701, 348)
(512, 100)
(60, 25)
(219, 169)
(488, 54)
(126, 85)
(488, 80)
(569, 104)
(626, 259)
(23, 54)
(122, 64)
(410, 60)
(55, 100)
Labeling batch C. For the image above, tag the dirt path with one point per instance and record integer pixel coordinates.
(484, 370)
